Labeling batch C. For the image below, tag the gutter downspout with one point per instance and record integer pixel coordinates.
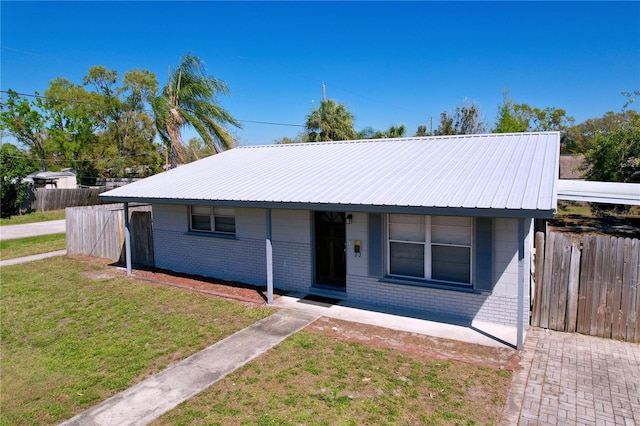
(127, 238)
(269, 258)
(520, 338)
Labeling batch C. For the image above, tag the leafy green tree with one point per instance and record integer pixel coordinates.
(582, 137)
(465, 120)
(510, 119)
(190, 99)
(331, 121)
(15, 165)
(27, 122)
(98, 128)
(392, 132)
(396, 131)
(615, 156)
(71, 127)
(299, 138)
(369, 133)
(516, 118)
(124, 122)
(197, 149)
(121, 108)
(422, 131)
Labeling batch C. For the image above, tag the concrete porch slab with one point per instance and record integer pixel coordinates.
(480, 333)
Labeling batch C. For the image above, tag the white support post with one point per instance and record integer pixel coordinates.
(269, 258)
(520, 338)
(127, 238)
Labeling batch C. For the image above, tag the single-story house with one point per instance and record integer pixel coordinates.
(441, 225)
(52, 180)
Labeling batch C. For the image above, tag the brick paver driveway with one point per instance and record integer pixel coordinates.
(572, 379)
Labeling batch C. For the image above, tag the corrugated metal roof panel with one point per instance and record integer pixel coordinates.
(493, 171)
(599, 192)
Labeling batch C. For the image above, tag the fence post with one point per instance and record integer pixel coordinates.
(572, 292)
(538, 279)
(548, 279)
(127, 238)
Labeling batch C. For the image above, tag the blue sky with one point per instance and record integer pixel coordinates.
(390, 62)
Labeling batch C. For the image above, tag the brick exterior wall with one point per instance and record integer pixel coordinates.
(240, 259)
(493, 308)
(227, 259)
(292, 269)
(243, 259)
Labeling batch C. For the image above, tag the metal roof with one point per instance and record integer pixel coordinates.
(512, 174)
(599, 192)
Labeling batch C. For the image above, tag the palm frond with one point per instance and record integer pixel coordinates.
(190, 99)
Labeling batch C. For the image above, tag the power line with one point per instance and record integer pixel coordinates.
(68, 160)
(275, 124)
(51, 98)
(145, 110)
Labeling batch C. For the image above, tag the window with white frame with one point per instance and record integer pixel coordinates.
(212, 219)
(430, 247)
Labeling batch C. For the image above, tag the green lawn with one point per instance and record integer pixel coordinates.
(21, 247)
(71, 337)
(312, 379)
(75, 331)
(33, 217)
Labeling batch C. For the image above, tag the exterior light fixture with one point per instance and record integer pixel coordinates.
(349, 219)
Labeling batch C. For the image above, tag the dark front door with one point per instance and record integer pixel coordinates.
(331, 269)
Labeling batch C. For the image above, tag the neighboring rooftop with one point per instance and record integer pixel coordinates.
(570, 166)
(513, 174)
(599, 192)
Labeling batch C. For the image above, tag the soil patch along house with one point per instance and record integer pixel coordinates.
(438, 226)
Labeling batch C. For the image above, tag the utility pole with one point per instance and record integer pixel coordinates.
(324, 92)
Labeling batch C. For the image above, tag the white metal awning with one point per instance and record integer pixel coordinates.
(599, 192)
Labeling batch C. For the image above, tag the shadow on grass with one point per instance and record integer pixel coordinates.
(214, 286)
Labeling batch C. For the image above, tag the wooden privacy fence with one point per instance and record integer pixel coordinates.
(590, 287)
(45, 199)
(99, 231)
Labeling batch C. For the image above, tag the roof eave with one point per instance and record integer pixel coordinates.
(426, 210)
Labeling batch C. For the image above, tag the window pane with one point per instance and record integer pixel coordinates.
(201, 210)
(225, 224)
(452, 220)
(406, 259)
(451, 263)
(201, 223)
(451, 230)
(224, 211)
(406, 227)
(451, 235)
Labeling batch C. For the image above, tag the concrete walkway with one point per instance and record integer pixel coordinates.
(149, 399)
(31, 258)
(572, 379)
(12, 232)
(480, 333)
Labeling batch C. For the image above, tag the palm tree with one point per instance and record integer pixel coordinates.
(331, 121)
(189, 99)
(396, 132)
